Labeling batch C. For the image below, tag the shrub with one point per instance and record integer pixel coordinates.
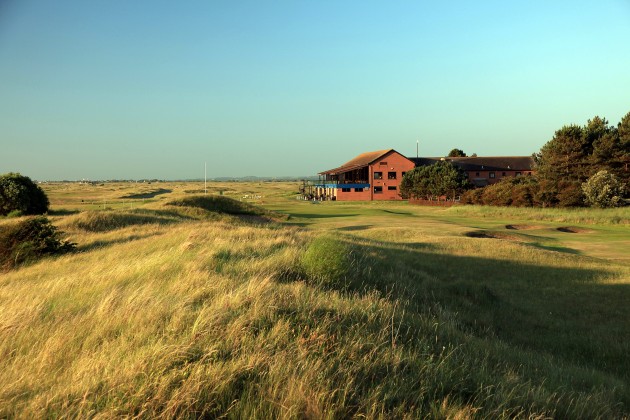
(499, 194)
(570, 194)
(474, 196)
(515, 192)
(603, 190)
(19, 193)
(326, 262)
(28, 240)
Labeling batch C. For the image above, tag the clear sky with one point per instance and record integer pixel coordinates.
(106, 89)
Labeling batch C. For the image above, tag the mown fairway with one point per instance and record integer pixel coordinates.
(316, 310)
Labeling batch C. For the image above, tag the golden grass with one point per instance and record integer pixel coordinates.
(187, 316)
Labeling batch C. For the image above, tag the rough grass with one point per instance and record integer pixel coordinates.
(219, 204)
(108, 220)
(613, 216)
(398, 319)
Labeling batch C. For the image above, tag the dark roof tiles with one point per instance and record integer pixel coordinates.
(364, 159)
(490, 163)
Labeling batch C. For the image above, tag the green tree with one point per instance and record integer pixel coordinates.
(576, 153)
(603, 190)
(19, 193)
(440, 179)
(456, 153)
(622, 159)
(565, 156)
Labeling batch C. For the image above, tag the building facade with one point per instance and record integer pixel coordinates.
(377, 175)
(484, 171)
(369, 176)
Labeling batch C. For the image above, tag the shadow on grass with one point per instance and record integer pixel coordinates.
(62, 212)
(100, 244)
(570, 312)
(320, 216)
(354, 228)
(563, 249)
(150, 194)
(402, 213)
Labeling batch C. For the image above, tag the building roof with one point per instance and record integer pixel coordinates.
(364, 159)
(490, 163)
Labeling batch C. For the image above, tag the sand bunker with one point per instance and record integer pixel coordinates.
(522, 227)
(490, 235)
(572, 229)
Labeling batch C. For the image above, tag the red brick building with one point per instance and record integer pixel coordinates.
(377, 175)
(369, 176)
(484, 171)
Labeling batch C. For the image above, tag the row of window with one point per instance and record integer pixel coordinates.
(377, 190)
(390, 175)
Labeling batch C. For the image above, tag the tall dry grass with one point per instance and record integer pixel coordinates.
(226, 318)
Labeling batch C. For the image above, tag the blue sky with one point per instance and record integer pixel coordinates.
(153, 89)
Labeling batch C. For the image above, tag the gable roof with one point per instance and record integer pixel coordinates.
(491, 163)
(364, 159)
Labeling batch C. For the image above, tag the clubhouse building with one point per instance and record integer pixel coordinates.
(377, 175)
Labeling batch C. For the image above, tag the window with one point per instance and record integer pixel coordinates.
(358, 190)
(383, 163)
(476, 173)
(378, 190)
(378, 175)
(391, 188)
(518, 174)
(503, 174)
(403, 174)
(391, 175)
(491, 174)
(346, 189)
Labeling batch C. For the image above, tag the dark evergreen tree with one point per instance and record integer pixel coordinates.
(456, 153)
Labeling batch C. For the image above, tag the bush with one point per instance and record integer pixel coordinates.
(28, 240)
(603, 190)
(499, 194)
(19, 194)
(326, 262)
(474, 196)
(516, 192)
(570, 194)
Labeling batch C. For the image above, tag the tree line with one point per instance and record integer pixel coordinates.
(580, 165)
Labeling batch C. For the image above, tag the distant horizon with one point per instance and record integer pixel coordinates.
(137, 90)
(235, 178)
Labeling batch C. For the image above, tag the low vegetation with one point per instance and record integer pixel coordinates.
(374, 310)
(29, 239)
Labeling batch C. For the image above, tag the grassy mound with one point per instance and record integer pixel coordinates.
(28, 240)
(104, 221)
(215, 204)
